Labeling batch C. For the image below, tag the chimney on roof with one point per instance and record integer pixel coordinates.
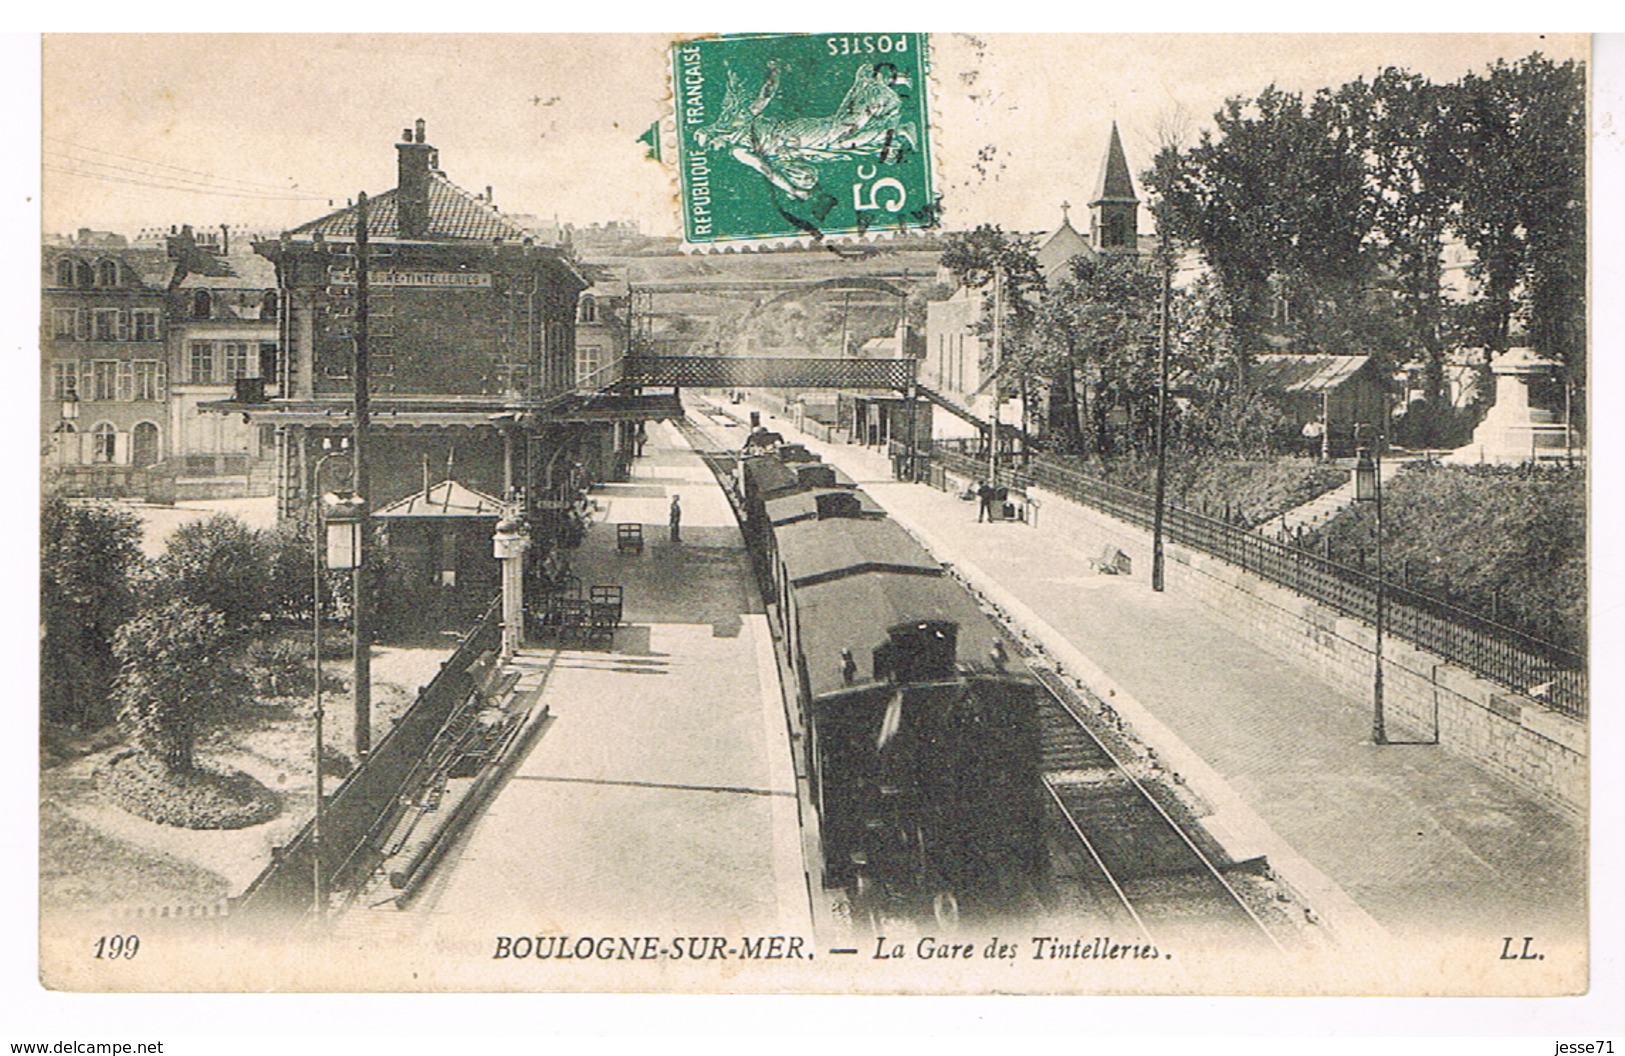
(225, 241)
(416, 160)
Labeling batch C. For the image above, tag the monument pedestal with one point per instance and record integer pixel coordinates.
(1516, 429)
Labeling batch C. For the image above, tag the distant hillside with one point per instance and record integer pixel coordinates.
(720, 301)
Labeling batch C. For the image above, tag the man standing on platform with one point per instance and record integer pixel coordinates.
(676, 518)
(984, 496)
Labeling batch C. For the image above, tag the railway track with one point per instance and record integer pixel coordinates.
(1167, 878)
(1143, 868)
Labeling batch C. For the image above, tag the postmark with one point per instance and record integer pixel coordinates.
(807, 135)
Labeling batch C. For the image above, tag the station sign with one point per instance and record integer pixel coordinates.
(337, 276)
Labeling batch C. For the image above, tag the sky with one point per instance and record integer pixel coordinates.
(147, 130)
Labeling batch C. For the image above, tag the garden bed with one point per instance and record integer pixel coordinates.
(200, 798)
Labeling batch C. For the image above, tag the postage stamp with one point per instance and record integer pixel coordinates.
(802, 135)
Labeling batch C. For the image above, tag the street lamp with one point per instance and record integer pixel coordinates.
(338, 557)
(1368, 488)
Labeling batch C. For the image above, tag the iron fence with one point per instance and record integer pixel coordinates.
(367, 800)
(1505, 655)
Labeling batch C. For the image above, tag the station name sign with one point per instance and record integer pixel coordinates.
(420, 279)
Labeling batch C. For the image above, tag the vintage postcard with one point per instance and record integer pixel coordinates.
(861, 512)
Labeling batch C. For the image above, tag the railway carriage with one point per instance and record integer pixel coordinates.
(922, 736)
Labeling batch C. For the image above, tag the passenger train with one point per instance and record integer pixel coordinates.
(921, 731)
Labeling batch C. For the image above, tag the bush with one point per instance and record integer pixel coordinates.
(194, 799)
(1504, 542)
(221, 564)
(88, 555)
(281, 667)
(176, 672)
(1253, 489)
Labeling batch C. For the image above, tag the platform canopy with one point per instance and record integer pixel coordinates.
(445, 499)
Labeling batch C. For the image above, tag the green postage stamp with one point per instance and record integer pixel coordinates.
(802, 135)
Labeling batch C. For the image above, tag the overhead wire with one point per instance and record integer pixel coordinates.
(210, 176)
(108, 177)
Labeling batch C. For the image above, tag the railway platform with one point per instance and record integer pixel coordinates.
(1399, 842)
(658, 793)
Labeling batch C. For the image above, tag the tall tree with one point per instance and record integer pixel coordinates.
(1103, 314)
(1489, 220)
(974, 258)
(1327, 213)
(1276, 191)
(1551, 129)
(1417, 172)
(87, 557)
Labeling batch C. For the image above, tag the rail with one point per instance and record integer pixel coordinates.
(1546, 672)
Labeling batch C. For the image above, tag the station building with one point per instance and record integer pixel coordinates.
(471, 339)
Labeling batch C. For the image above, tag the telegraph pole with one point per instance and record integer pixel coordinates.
(1162, 421)
(362, 602)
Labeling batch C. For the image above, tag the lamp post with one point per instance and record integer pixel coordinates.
(1162, 417)
(322, 536)
(1368, 488)
(998, 334)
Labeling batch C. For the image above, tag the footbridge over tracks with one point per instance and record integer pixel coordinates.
(767, 372)
(792, 372)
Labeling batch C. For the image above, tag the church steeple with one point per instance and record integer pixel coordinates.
(1114, 215)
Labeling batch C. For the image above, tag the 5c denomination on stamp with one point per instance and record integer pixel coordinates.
(802, 135)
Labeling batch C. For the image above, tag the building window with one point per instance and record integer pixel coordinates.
(104, 443)
(1116, 231)
(63, 322)
(82, 275)
(144, 444)
(126, 382)
(239, 357)
(144, 324)
(103, 379)
(65, 380)
(588, 360)
(589, 308)
(148, 376)
(105, 324)
(201, 304)
(268, 305)
(64, 271)
(200, 362)
(107, 273)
